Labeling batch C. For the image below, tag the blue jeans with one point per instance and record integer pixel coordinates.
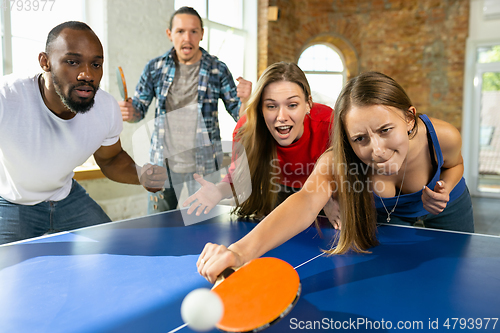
(77, 210)
(457, 216)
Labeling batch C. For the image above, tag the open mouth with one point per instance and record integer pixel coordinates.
(284, 130)
(186, 48)
(84, 91)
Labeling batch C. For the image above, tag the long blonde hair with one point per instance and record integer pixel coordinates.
(358, 213)
(259, 144)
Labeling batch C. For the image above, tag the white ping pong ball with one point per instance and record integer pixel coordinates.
(201, 309)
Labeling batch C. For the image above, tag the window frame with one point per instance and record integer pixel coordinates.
(336, 50)
(470, 120)
(249, 32)
(343, 73)
(6, 41)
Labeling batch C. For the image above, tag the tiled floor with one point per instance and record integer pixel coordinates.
(486, 215)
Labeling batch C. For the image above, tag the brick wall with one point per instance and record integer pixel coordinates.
(420, 43)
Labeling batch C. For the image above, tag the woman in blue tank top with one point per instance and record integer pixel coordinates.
(410, 168)
(412, 165)
(435, 208)
(385, 164)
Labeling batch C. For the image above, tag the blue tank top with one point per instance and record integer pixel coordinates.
(410, 205)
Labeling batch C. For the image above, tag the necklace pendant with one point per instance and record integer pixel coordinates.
(388, 219)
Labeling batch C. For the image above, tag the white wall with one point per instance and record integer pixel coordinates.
(481, 29)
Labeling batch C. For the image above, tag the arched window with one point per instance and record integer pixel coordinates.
(325, 70)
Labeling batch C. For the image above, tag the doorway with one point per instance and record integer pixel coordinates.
(484, 124)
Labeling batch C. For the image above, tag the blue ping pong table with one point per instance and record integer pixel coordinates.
(132, 275)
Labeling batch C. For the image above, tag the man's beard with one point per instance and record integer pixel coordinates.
(74, 106)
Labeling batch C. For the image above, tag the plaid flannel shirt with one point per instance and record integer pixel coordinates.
(215, 81)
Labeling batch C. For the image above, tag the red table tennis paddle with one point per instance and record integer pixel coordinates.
(257, 295)
(122, 85)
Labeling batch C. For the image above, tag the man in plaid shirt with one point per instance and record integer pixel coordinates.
(187, 83)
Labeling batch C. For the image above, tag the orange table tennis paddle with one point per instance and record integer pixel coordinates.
(257, 295)
(122, 85)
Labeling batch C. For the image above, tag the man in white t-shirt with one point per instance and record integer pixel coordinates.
(49, 124)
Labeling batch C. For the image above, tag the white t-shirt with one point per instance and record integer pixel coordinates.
(38, 150)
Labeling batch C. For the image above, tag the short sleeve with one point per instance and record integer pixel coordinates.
(116, 124)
